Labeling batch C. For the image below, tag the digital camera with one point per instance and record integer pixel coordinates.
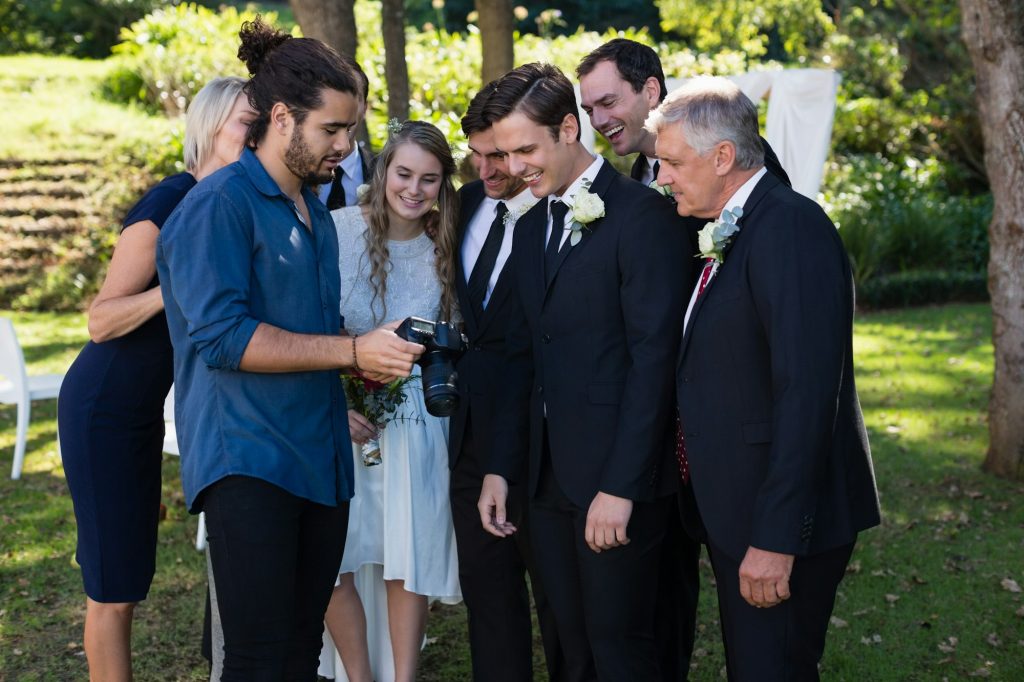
(444, 345)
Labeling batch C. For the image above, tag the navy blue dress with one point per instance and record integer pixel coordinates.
(110, 416)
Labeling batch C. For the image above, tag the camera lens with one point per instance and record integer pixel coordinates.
(439, 391)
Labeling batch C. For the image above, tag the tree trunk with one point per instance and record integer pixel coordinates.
(496, 26)
(395, 69)
(994, 33)
(332, 21)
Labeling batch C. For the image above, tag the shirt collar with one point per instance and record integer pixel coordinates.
(739, 198)
(521, 202)
(258, 175)
(265, 184)
(589, 174)
(352, 163)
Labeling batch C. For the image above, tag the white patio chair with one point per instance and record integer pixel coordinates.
(171, 448)
(17, 387)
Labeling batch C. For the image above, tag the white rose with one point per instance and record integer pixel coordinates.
(361, 191)
(587, 207)
(706, 239)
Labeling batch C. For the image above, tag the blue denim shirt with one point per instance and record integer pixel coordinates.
(233, 254)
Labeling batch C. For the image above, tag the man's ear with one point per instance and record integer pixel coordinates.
(281, 119)
(725, 157)
(568, 129)
(651, 91)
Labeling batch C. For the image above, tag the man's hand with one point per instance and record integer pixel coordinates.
(764, 577)
(382, 355)
(607, 520)
(493, 496)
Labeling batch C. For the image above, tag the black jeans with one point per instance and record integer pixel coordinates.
(275, 558)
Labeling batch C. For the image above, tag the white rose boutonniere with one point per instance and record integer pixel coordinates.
(512, 216)
(586, 208)
(714, 237)
(361, 191)
(663, 189)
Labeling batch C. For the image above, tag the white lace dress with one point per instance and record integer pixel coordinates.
(400, 522)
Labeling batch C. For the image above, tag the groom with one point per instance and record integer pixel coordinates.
(600, 269)
(773, 440)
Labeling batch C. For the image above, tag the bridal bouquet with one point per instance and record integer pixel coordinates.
(377, 402)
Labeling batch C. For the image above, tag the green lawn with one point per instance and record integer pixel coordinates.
(929, 595)
(52, 110)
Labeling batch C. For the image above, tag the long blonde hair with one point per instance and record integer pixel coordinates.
(439, 223)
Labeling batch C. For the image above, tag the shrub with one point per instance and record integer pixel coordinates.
(82, 28)
(923, 287)
(897, 218)
(166, 57)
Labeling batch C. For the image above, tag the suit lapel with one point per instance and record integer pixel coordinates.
(599, 187)
(639, 166)
(764, 185)
(367, 160)
(472, 196)
(534, 225)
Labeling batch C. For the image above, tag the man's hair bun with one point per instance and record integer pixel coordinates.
(258, 39)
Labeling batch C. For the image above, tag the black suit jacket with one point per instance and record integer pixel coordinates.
(480, 368)
(596, 348)
(775, 439)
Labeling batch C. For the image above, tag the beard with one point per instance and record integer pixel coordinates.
(301, 162)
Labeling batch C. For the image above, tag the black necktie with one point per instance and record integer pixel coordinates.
(484, 266)
(657, 167)
(558, 210)
(336, 199)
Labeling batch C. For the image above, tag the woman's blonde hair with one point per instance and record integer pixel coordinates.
(207, 114)
(439, 223)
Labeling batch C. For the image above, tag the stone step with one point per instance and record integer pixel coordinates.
(49, 188)
(41, 207)
(20, 245)
(54, 161)
(21, 267)
(79, 172)
(47, 226)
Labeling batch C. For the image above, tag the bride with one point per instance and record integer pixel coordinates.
(397, 260)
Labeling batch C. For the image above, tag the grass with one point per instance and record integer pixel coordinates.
(52, 110)
(927, 595)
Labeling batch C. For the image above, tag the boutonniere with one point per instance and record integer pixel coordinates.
(512, 216)
(664, 190)
(714, 237)
(361, 191)
(586, 208)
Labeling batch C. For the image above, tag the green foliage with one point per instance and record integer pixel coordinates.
(908, 87)
(902, 219)
(82, 28)
(922, 287)
(166, 57)
(595, 16)
(747, 25)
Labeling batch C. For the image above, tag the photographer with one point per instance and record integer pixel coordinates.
(248, 272)
(396, 259)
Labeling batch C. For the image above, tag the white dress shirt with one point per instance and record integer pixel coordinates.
(737, 200)
(480, 225)
(589, 174)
